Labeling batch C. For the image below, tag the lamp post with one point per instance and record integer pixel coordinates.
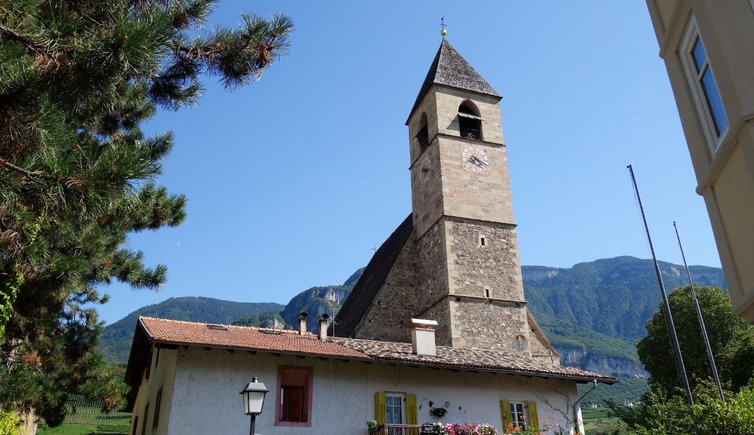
(253, 400)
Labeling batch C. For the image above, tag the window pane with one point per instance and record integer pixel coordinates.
(714, 102)
(699, 55)
(294, 404)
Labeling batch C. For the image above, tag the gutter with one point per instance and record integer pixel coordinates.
(576, 404)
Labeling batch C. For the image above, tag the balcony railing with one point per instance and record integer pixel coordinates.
(404, 429)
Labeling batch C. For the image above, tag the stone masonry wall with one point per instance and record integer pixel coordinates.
(426, 189)
(474, 268)
(432, 267)
(389, 316)
(478, 323)
(483, 195)
(441, 313)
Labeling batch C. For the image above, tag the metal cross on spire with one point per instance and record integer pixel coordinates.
(443, 27)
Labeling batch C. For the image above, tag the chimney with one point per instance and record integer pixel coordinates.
(423, 337)
(302, 322)
(322, 333)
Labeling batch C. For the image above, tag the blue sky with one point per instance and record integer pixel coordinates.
(293, 181)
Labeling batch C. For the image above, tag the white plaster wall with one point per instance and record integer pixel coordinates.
(205, 397)
(474, 397)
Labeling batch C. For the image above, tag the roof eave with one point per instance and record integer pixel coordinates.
(563, 376)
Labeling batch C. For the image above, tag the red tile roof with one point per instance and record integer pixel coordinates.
(242, 337)
(177, 332)
(468, 359)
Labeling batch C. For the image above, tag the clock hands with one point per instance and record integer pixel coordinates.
(476, 161)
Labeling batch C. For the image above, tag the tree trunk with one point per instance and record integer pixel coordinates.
(28, 425)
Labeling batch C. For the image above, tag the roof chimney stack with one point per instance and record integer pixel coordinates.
(322, 332)
(302, 322)
(423, 337)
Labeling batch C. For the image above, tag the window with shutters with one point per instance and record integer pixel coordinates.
(294, 400)
(396, 412)
(519, 415)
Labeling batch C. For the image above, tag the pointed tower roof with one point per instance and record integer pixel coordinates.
(450, 69)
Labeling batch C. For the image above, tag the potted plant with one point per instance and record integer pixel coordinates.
(373, 428)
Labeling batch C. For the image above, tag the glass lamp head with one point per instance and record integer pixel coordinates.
(253, 397)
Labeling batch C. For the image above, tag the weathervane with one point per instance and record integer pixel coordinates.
(444, 27)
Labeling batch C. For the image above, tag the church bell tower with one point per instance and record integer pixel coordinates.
(455, 257)
(469, 274)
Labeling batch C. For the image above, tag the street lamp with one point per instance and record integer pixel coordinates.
(253, 400)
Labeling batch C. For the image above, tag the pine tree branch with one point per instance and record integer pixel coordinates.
(15, 36)
(10, 166)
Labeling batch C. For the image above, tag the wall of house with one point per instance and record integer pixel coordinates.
(205, 396)
(161, 375)
(474, 397)
(725, 170)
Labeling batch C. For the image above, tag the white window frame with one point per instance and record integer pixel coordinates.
(524, 422)
(402, 397)
(694, 79)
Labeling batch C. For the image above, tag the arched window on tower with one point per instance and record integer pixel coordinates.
(469, 121)
(423, 135)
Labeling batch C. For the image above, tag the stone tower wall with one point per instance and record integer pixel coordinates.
(485, 324)
(447, 189)
(432, 267)
(426, 189)
(447, 101)
(475, 195)
(441, 312)
(494, 266)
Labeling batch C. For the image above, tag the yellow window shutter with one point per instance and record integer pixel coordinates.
(411, 412)
(412, 415)
(533, 418)
(380, 411)
(505, 412)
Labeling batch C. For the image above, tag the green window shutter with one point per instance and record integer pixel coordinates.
(380, 411)
(533, 418)
(412, 415)
(505, 412)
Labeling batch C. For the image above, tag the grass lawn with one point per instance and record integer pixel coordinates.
(115, 426)
(598, 421)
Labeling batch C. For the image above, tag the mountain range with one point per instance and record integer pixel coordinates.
(593, 312)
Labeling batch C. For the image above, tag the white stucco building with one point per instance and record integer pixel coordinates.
(186, 378)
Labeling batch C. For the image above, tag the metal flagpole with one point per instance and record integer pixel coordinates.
(710, 356)
(668, 314)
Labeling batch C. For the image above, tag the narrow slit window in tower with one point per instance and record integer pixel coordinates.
(469, 121)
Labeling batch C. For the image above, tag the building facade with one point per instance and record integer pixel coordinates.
(708, 49)
(185, 378)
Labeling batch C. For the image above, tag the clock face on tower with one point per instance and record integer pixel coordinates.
(474, 159)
